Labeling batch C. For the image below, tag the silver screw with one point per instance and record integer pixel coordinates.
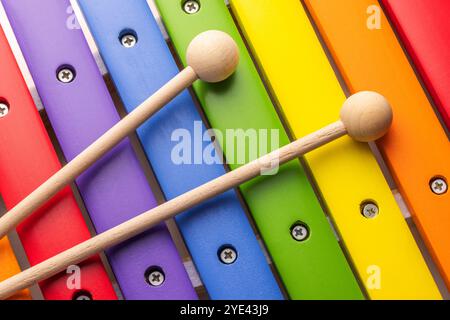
(299, 232)
(4, 110)
(228, 255)
(128, 40)
(82, 296)
(191, 6)
(66, 75)
(156, 278)
(439, 186)
(370, 210)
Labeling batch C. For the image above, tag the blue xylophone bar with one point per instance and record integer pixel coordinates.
(218, 224)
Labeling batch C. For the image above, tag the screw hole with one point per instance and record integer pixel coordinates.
(155, 276)
(300, 231)
(4, 108)
(82, 295)
(227, 254)
(369, 209)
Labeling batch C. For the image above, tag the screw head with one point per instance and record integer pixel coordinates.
(156, 278)
(191, 6)
(228, 255)
(439, 186)
(369, 210)
(66, 75)
(128, 40)
(82, 295)
(299, 232)
(4, 110)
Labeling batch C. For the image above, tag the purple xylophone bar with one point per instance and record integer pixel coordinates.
(80, 109)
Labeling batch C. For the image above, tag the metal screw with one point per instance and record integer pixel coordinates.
(370, 210)
(439, 186)
(299, 232)
(228, 255)
(156, 278)
(82, 295)
(128, 40)
(191, 6)
(4, 110)
(66, 75)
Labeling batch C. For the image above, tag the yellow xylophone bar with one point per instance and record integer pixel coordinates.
(417, 149)
(352, 185)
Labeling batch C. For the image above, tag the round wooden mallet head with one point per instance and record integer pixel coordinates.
(367, 116)
(213, 55)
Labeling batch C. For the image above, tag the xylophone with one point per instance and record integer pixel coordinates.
(327, 223)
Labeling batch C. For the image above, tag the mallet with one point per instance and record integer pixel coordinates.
(365, 116)
(212, 56)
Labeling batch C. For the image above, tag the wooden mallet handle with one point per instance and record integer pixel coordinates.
(365, 116)
(212, 56)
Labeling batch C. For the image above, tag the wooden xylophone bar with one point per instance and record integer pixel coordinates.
(417, 162)
(225, 217)
(343, 165)
(57, 226)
